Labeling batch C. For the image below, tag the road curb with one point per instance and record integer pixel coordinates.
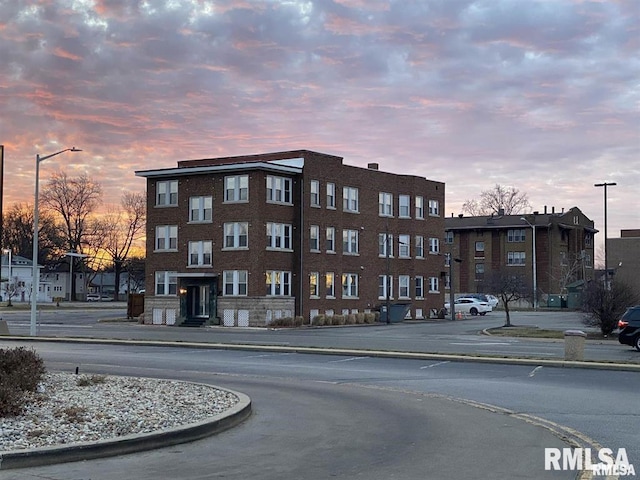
(130, 443)
(631, 367)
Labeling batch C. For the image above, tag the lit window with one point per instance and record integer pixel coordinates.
(313, 283)
(330, 289)
(278, 283)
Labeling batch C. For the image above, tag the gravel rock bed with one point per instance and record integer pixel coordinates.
(82, 408)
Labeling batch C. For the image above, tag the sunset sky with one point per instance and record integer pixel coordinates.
(541, 95)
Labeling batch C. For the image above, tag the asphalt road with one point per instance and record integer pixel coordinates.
(318, 417)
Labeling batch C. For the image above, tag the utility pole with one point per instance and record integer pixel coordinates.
(606, 259)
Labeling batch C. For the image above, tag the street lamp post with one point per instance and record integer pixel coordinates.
(9, 291)
(535, 274)
(35, 286)
(606, 259)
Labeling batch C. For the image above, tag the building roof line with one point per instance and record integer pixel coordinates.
(234, 167)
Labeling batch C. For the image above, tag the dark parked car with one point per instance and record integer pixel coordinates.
(629, 326)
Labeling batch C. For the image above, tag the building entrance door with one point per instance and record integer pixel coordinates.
(200, 301)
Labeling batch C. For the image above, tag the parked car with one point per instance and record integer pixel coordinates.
(471, 305)
(629, 326)
(493, 301)
(490, 299)
(96, 297)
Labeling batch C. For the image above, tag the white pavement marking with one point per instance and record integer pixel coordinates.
(347, 359)
(434, 365)
(479, 343)
(535, 370)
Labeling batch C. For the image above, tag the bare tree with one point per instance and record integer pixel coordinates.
(509, 287)
(604, 303)
(507, 199)
(571, 269)
(121, 229)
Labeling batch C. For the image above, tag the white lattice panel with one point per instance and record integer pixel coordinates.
(328, 313)
(287, 314)
(419, 313)
(312, 314)
(269, 317)
(243, 318)
(170, 316)
(157, 316)
(228, 317)
(345, 311)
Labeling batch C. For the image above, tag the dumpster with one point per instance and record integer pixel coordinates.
(397, 312)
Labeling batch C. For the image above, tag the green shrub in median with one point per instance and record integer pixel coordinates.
(21, 371)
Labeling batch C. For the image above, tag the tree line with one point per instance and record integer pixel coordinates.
(70, 223)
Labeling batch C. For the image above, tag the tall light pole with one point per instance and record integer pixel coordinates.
(606, 259)
(35, 282)
(9, 290)
(535, 274)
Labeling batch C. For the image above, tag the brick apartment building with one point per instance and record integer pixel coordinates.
(564, 250)
(244, 240)
(624, 257)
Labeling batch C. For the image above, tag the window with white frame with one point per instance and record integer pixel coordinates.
(236, 235)
(236, 188)
(314, 277)
(279, 189)
(167, 193)
(419, 246)
(404, 246)
(314, 238)
(349, 285)
(166, 237)
(516, 258)
(279, 236)
(419, 287)
(403, 286)
(315, 193)
(235, 283)
(385, 286)
(331, 195)
(330, 285)
(385, 245)
(385, 204)
(448, 236)
(419, 207)
(350, 202)
(434, 208)
(515, 235)
(278, 283)
(166, 283)
(331, 239)
(479, 246)
(433, 285)
(434, 245)
(350, 242)
(200, 253)
(447, 259)
(200, 209)
(404, 206)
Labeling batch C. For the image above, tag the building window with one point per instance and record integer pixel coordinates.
(278, 283)
(315, 193)
(166, 283)
(404, 246)
(433, 285)
(385, 245)
(448, 237)
(385, 287)
(167, 237)
(331, 195)
(235, 283)
(236, 188)
(434, 245)
(447, 259)
(350, 242)
(419, 246)
(434, 208)
(314, 238)
(313, 283)
(200, 209)
(279, 189)
(515, 235)
(420, 208)
(515, 258)
(330, 290)
(236, 235)
(404, 208)
(279, 236)
(349, 285)
(479, 246)
(419, 287)
(403, 286)
(350, 201)
(200, 254)
(385, 204)
(587, 260)
(588, 238)
(563, 259)
(167, 193)
(331, 240)
(479, 269)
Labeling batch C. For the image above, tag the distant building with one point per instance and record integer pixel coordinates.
(17, 280)
(624, 257)
(564, 249)
(244, 240)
